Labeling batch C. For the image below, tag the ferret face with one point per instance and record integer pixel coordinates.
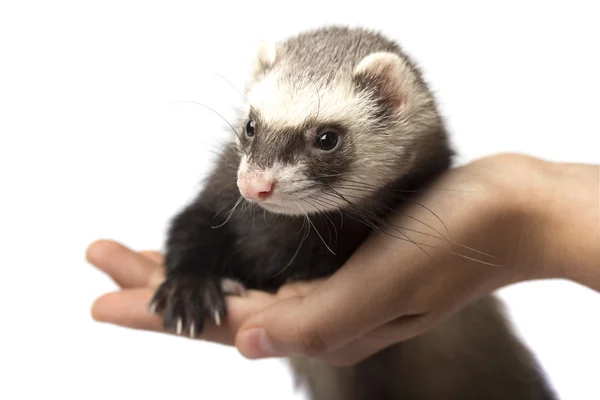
(307, 150)
(294, 169)
(305, 147)
(313, 143)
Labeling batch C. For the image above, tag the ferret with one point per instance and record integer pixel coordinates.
(338, 121)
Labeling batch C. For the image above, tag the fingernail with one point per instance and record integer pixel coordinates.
(257, 344)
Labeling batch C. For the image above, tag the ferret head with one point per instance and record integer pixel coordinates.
(333, 116)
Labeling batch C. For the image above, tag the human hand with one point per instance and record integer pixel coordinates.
(391, 289)
(138, 275)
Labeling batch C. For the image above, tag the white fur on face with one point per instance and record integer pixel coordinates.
(290, 104)
(282, 104)
(243, 167)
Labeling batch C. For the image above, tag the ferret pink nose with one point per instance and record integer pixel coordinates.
(255, 188)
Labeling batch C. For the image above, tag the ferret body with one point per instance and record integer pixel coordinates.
(338, 122)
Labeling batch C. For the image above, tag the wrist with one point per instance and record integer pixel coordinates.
(574, 222)
(559, 234)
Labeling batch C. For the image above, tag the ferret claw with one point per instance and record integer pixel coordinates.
(187, 301)
(232, 287)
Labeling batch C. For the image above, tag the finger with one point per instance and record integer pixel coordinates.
(298, 288)
(126, 267)
(155, 256)
(158, 275)
(129, 308)
(403, 328)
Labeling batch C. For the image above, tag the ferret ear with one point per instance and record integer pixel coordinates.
(266, 56)
(389, 76)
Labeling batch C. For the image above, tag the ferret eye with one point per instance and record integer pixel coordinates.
(250, 128)
(327, 140)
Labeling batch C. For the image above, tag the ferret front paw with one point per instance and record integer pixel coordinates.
(185, 301)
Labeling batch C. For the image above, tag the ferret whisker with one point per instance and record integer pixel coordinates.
(402, 233)
(297, 250)
(246, 206)
(377, 188)
(225, 187)
(230, 213)
(314, 227)
(236, 90)
(408, 200)
(379, 208)
(431, 227)
(410, 191)
(450, 240)
(227, 163)
(432, 213)
(318, 97)
(373, 226)
(221, 147)
(403, 238)
(220, 210)
(334, 205)
(365, 221)
(333, 224)
(324, 214)
(302, 227)
(312, 180)
(326, 224)
(222, 117)
(477, 260)
(397, 229)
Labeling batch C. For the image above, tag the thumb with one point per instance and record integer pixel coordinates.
(285, 328)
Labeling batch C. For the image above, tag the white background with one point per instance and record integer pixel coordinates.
(95, 145)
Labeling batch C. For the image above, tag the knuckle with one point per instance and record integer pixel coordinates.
(297, 289)
(288, 291)
(312, 342)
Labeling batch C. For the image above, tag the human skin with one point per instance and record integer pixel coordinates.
(507, 218)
